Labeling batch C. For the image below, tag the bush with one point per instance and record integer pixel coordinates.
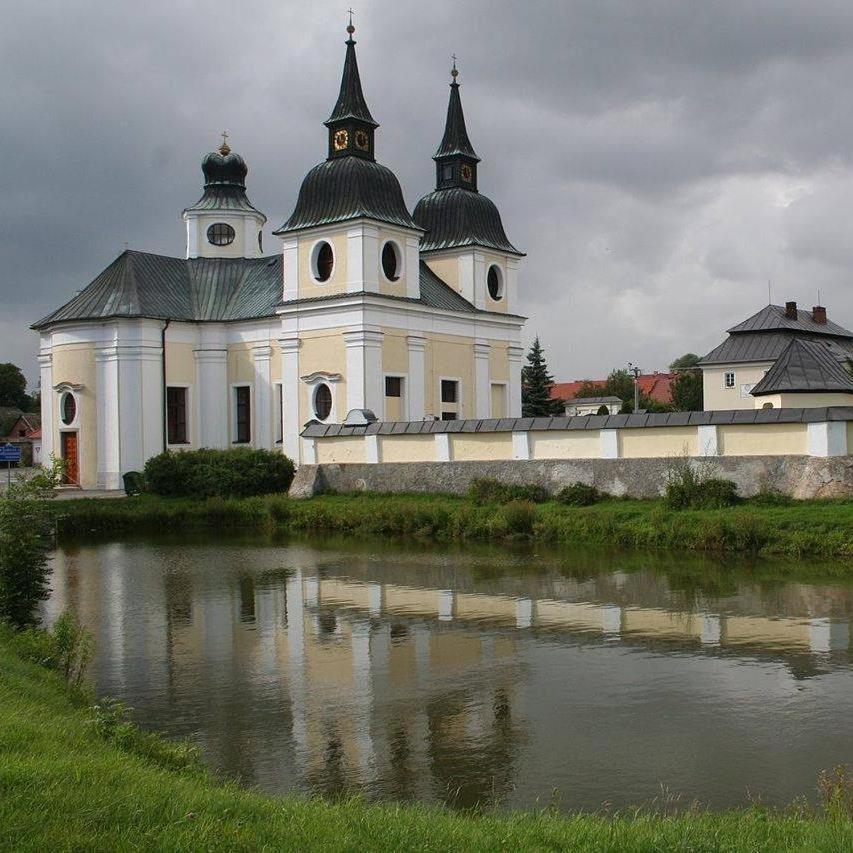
(238, 473)
(519, 517)
(707, 494)
(771, 497)
(485, 490)
(579, 494)
(66, 648)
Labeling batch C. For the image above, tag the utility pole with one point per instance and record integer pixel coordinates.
(632, 368)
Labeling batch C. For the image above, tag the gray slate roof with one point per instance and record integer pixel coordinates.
(772, 318)
(139, 284)
(820, 414)
(590, 401)
(806, 367)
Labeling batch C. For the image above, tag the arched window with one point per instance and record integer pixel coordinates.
(220, 234)
(322, 401)
(391, 261)
(322, 261)
(68, 407)
(495, 282)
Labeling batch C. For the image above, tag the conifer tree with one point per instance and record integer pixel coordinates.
(536, 385)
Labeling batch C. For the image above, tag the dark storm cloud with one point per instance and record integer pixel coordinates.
(659, 161)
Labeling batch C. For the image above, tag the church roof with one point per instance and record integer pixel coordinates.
(456, 217)
(224, 183)
(806, 366)
(455, 140)
(351, 103)
(348, 188)
(139, 284)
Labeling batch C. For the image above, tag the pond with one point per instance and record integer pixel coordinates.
(481, 676)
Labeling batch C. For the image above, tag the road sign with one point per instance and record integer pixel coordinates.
(10, 453)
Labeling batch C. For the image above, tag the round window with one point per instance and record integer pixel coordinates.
(391, 261)
(69, 408)
(220, 234)
(322, 402)
(322, 261)
(495, 283)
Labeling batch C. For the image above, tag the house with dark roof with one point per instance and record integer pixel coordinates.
(733, 371)
(362, 304)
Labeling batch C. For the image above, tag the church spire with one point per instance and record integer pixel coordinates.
(351, 125)
(455, 160)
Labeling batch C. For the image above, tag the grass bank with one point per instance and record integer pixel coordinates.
(63, 785)
(800, 529)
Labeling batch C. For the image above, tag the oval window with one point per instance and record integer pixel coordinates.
(322, 402)
(495, 283)
(220, 234)
(69, 409)
(322, 261)
(390, 261)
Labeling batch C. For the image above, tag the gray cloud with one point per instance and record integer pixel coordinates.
(659, 161)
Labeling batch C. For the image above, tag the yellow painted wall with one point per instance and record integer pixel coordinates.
(337, 283)
(450, 357)
(806, 401)
(657, 441)
(447, 269)
(499, 407)
(342, 449)
(470, 447)
(241, 366)
(395, 360)
(498, 361)
(180, 363)
(75, 364)
(565, 445)
(767, 439)
(717, 396)
(411, 448)
(323, 351)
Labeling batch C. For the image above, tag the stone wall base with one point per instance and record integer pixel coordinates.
(798, 476)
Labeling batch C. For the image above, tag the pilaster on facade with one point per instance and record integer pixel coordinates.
(290, 253)
(416, 392)
(291, 419)
(364, 369)
(363, 258)
(211, 371)
(263, 433)
(514, 356)
(412, 265)
(479, 299)
(482, 380)
(511, 284)
(47, 400)
(108, 419)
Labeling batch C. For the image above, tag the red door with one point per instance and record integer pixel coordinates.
(69, 455)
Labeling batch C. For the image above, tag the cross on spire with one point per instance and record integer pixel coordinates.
(350, 27)
(225, 148)
(454, 73)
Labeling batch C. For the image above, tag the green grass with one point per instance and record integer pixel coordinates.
(800, 529)
(64, 787)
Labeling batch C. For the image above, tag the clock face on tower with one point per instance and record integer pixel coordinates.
(341, 140)
(361, 140)
(465, 172)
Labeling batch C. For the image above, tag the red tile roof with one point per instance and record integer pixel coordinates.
(656, 386)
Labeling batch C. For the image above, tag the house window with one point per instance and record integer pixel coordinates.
(391, 261)
(730, 380)
(449, 399)
(69, 408)
(220, 234)
(322, 401)
(322, 261)
(393, 386)
(494, 282)
(176, 415)
(243, 411)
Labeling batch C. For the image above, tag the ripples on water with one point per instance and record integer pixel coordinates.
(476, 677)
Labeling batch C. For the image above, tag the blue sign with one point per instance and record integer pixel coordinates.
(10, 453)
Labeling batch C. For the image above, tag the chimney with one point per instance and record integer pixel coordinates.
(791, 310)
(819, 315)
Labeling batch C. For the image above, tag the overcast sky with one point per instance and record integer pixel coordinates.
(659, 161)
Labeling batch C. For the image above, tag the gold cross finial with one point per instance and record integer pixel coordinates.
(454, 73)
(350, 27)
(225, 148)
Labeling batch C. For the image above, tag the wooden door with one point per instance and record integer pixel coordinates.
(69, 454)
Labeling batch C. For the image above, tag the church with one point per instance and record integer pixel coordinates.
(363, 305)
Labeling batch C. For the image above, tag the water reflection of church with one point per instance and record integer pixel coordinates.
(402, 690)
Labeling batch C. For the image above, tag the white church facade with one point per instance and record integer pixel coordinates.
(364, 306)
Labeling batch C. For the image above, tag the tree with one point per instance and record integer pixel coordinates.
(536, 384)
(620, 383)
(13, 387)
(686, 391)
(689, 359)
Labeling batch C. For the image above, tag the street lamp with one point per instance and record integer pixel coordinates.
(633, 369)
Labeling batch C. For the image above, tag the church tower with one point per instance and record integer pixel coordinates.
(464, 241)
(223, 223)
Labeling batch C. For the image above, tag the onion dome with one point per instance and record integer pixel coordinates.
(456, 213)
(350, 183)
(224, 181)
